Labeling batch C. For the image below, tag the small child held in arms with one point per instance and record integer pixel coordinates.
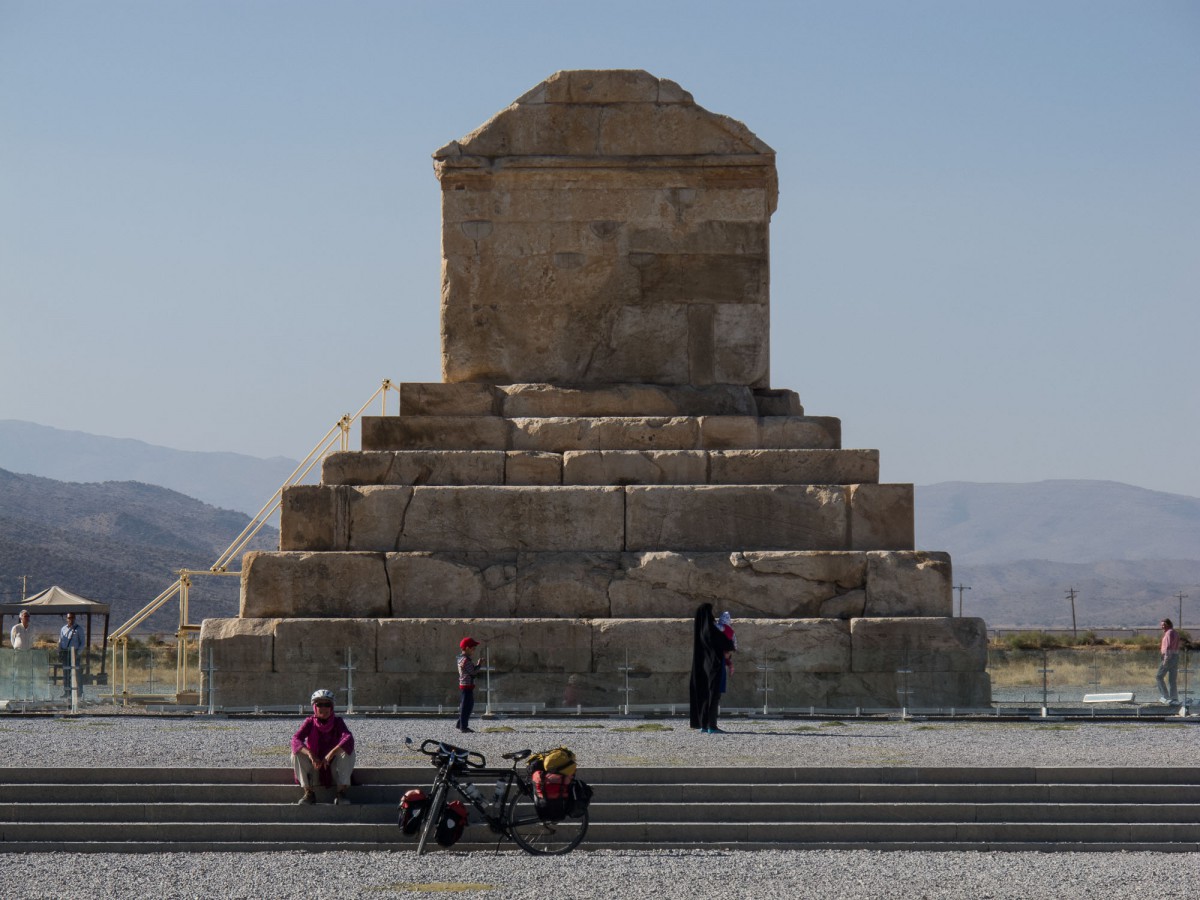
(725, 624)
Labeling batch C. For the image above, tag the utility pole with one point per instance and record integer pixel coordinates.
(1071, 594)
(1179, 623)
(960, 588)
(23, 578)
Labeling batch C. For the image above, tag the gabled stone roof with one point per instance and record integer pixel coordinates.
(609, 113)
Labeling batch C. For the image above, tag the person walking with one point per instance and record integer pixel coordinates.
(323, 751)
(467, 667)
(709, 646)
(1168, 651)
(21, 638)
(70, 637)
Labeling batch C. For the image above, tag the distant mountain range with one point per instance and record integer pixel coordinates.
(227, 480)
(1126, 550)
(1058, 521)
(117, 542)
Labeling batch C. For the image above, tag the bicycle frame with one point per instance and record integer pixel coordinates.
(512, 811)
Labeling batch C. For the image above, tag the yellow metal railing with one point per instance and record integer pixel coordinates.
(336, 438)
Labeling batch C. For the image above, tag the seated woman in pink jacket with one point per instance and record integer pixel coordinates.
(323, 747)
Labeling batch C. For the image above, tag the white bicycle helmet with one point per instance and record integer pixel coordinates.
(321, 694)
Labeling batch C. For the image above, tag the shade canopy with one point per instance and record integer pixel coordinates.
(55, 601)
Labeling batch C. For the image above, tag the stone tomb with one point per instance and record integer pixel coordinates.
(605, 453)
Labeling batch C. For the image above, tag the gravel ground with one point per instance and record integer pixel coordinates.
(148, 741)
(154, 741)
(757, 875)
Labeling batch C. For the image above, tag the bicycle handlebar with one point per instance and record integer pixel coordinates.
(443, 752)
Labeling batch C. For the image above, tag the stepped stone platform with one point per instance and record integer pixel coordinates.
(605, 453)
(140, 810)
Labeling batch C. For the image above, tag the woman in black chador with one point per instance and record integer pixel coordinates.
(708, 659)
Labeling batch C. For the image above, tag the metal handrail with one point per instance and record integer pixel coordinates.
(339, 434)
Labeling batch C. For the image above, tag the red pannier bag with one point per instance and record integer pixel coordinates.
(552, 794)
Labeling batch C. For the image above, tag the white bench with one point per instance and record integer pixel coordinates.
(1108, 698)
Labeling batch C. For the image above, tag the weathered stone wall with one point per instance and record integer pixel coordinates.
(819, 662)
(604, 228)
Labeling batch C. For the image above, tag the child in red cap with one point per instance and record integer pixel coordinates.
(466, 683)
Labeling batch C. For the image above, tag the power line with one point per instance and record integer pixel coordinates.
(1071, 594)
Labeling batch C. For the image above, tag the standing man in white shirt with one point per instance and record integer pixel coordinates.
(21, 638)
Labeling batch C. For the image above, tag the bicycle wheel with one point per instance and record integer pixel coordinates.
(432, 816)
(541, 838)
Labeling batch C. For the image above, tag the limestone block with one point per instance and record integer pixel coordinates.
(797, 645)
(503, 518)
(741, 330)
(634, 467)
(707, 279)
(533, 645)
(777, 402)
(800, 433)
(290, 690)
(313, 517)
(881, 516)
(318, 646)
(886, 690)
(453, 585)
(565, 584)
(314, 585)
(434, 433)
(653, 645)
(779, 584)
(729, 432)
(414, 467)
(788, 689)
(239, 645)
(449, 399)
(635, 335)
(849, 605)
(377, 689)
(560, 435)
(649, 433)
(530, 467)
(602, 86)
(703, 236)
(719, 517)
(921, 644)
(914, 583)
(841, 570)
(793, 466)
(548, 400)
(554, 435)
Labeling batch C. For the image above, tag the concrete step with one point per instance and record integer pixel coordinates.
(113, 810)
(629, 793)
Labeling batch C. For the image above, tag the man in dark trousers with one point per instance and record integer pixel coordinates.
(70, 637)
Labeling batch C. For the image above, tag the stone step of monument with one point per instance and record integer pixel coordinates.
(529, 584)
(552, 400)
(574, 518)
(600, 467)
(154, 809)
(539, 662)
(560, 434)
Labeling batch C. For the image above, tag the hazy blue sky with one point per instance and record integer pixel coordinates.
(219, 221)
